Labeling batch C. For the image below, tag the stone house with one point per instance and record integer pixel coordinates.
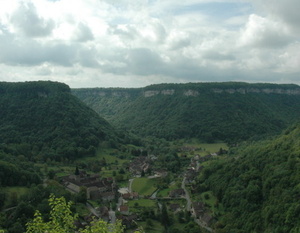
(198, 209)
(176, 193)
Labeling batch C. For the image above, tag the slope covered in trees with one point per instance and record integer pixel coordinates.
(209, 111)
(258, 185)
(43, 119)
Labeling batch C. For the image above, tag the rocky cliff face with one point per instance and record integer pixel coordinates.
(257, 90)
(127, 93)
(195, 93)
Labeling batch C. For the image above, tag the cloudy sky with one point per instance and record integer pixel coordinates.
(126, 43)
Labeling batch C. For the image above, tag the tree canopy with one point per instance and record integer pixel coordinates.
(209, 111)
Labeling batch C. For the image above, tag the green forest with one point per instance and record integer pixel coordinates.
(229, 149)
(258, 185)
(228, 112)
(45, 121)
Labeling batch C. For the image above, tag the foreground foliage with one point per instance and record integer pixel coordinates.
(62, 221)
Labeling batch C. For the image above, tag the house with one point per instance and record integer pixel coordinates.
(161, 173)
(139, 164)
(124, 209)
(176, 193)
(94, 185)
(133, 195)
(107, 196)
(93, 193)
(198, 209)
(174, 207)
(206, 219)
(190, 175)
(186, 149)
(128, 221)
(103, 213)
(126, 196)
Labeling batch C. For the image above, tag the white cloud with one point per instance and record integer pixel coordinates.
(26, 19)
(262, 32)
(136, 43)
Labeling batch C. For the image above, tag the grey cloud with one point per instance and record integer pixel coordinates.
(287, 10)
(88, 58)
(25, 51)
(160, 31)
(139, 61)
(214, 55)
(26, 19)
(179, 44)
(143, 61)
(43, 71)
(126, 32)
(83, 33)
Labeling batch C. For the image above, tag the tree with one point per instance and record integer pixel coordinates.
(62, 220)
(164, 216)
(76, 171)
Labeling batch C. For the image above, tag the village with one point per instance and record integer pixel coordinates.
(115, 200)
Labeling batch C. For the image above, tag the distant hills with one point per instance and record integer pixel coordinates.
(209, 111)
(43, 119)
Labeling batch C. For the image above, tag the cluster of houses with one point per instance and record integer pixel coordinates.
(199, 212)
(96, 188)
(105, 189)
(198, 209)
(139, 165)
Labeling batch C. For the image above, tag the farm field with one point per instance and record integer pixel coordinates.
(144, 186)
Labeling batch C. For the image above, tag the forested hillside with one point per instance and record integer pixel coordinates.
(258, 185)
(43, 119)
(209, 111)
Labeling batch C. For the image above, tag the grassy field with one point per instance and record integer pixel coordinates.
(18, 190)
(13, 193)
(201, 148)
(165, 192)
(142, 203)
(214, 147)
(144, 186)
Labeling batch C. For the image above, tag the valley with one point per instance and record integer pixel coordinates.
(217, 157)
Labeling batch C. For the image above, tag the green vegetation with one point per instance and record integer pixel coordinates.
(258, 185)
(44, 131)
(165, 192)
(144, 186)
(142, 203)
(249, 186)
(208, 111)
(62, 221)
(42, 120)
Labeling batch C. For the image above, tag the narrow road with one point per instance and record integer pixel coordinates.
(189, 206)
(187, 196)
(201, 224)
(130, 184)
(112, 216)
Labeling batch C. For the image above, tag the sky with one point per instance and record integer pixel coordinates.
(126, 43)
